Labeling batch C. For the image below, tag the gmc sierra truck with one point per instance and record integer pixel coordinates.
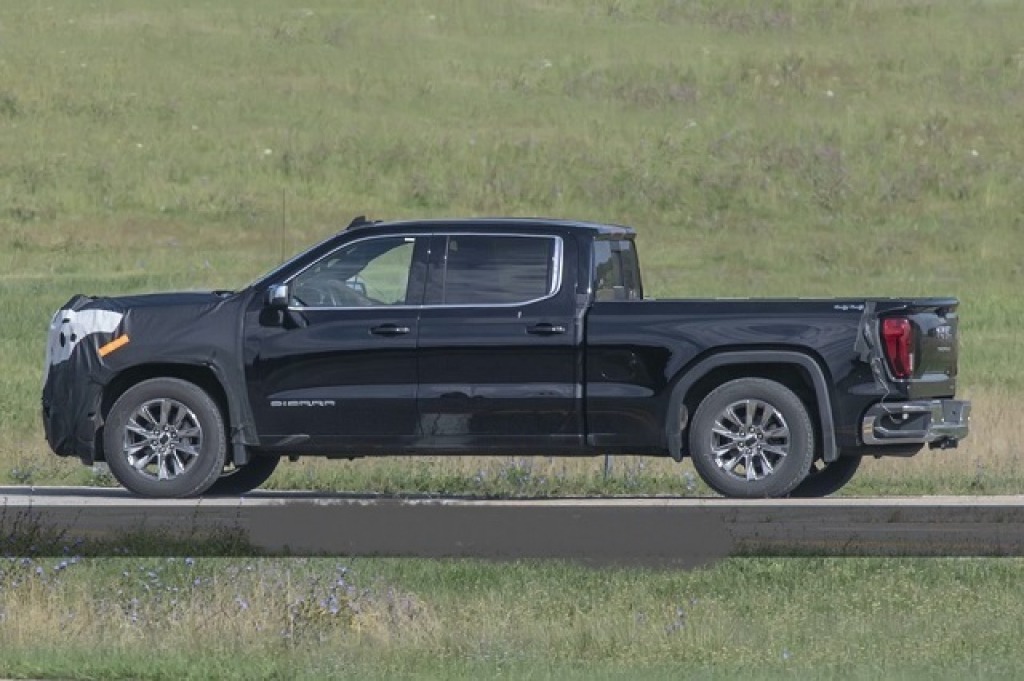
(493, 336)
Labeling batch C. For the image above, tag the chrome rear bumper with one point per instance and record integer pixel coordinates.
(938, 423)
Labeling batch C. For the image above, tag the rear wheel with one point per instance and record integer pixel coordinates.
(751, 438)
(237, 480)
(826, 478)
(165, 437)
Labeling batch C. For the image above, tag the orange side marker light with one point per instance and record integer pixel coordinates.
(115, 344)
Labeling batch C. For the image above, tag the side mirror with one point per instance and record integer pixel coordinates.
(278, 296)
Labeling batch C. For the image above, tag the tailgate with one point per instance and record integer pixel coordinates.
(929, 365)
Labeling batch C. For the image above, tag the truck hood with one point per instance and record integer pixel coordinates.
(174, 298)
(163, 325)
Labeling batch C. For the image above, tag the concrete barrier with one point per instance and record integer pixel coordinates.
(673, 531)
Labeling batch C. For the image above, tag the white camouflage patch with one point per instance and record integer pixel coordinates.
(68, 328)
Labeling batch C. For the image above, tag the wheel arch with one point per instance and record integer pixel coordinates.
(796, 370)
(200, 375)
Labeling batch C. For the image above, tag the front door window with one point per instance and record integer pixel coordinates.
(368, 273)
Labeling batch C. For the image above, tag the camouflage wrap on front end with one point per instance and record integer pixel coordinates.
(91, 341)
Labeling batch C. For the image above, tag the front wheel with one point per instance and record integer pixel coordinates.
(752, 438)
(165, 438)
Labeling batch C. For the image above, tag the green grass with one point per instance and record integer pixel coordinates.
(790, 147)
(795, 148)
(161, 618)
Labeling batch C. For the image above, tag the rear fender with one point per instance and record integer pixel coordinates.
(675, 416)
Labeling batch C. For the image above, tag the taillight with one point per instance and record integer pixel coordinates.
(898, 338)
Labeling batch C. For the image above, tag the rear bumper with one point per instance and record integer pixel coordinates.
(937, 423)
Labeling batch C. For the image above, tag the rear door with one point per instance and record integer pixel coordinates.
(499, 344)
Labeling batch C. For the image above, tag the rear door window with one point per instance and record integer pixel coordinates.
(496, 270)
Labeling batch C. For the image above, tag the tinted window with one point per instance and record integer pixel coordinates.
(366, 273)
(616, 271)
(487, 270)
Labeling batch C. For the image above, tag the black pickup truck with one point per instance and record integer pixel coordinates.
(493, 336)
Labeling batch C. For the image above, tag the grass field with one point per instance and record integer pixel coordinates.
(807, 618)
(796, 148)
(786, 147)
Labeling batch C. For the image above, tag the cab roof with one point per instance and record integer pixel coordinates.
(594, 228)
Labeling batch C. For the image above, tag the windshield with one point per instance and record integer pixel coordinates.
(268, 276)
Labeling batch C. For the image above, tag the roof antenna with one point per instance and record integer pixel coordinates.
(284, 220)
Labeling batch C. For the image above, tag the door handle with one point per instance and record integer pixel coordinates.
(545, 329)
(389, 330)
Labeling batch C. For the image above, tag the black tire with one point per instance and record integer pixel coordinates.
(237, 480)
(752, 438)
(168, 425)
(826, 478)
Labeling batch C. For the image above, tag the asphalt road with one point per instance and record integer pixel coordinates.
(661, 530)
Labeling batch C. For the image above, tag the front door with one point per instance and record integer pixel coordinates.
(337, 369)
